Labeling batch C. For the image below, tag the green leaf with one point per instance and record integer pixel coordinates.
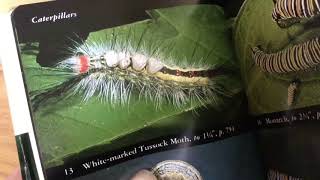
(69, 126)
(267, 92)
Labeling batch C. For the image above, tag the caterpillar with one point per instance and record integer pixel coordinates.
(275, 175)
(114, 73)
(292, 90)
(288, 12)
(296, 58)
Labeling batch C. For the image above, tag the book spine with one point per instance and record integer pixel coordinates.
(27, 163)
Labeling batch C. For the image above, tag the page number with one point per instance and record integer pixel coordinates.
(68, 171)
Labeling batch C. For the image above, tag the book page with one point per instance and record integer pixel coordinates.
(123, 90)
(277, 45)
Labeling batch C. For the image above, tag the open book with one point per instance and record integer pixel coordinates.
(187, 89)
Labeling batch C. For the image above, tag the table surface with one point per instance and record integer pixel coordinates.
(8, 151)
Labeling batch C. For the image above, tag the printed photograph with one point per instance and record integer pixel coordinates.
(170, 90)
(173, 73)
(277, 45)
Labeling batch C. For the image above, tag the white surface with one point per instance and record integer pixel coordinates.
(13, 77)
(15, 87)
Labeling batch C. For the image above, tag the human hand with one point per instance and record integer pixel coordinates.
(16, 175)
(144, 175)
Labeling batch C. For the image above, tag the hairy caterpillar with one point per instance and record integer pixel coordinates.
(275, 175)
(114, 72)
(292, 90)
(288, 12)
(296, 58)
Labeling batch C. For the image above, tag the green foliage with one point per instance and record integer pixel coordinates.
(268, 92)
(70, 126)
